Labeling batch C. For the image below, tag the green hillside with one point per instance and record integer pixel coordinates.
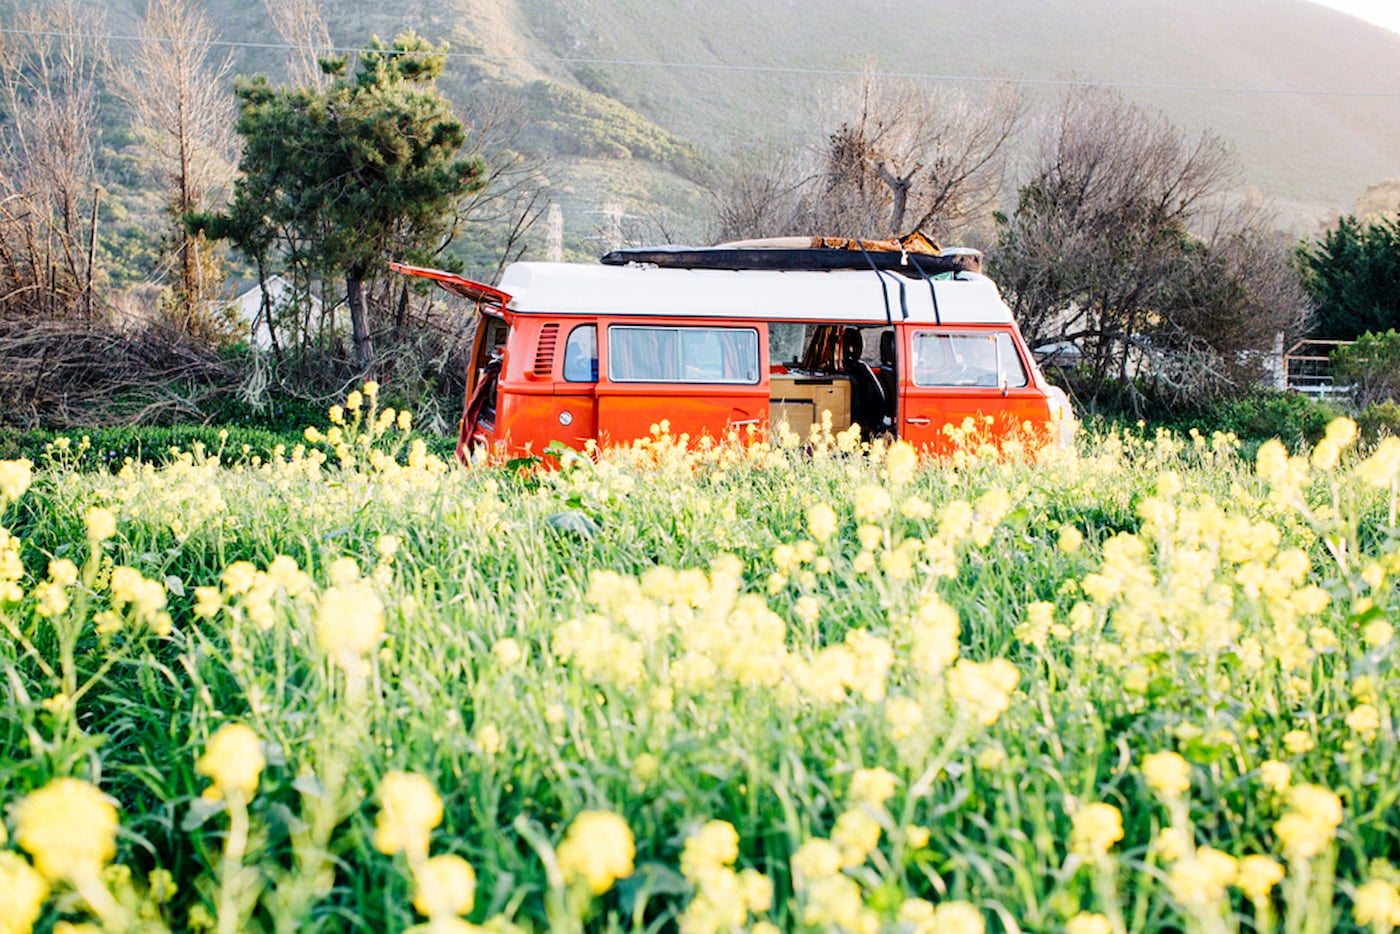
(660, 91)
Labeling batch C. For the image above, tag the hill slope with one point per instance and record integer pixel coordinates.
(696, 76)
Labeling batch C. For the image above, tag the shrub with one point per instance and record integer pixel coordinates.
(1371, 366)
(1292, 417)
(1380, 420)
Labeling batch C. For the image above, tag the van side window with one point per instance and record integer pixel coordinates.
(984, 359)
(581, 354)
(639, 354)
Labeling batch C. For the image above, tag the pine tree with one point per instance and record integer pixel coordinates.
(1353, 276)
(342, 176)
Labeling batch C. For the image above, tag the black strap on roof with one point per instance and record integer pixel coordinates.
(933, 296)
(884, 290)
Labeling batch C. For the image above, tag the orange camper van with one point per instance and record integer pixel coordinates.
(760, 333)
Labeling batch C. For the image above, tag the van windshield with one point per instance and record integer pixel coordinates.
(986, 359)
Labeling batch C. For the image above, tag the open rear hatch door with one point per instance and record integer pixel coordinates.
(457, 285)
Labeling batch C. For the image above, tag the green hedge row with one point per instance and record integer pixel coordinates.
(109, 448)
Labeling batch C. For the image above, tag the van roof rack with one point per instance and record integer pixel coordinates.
(807, 253)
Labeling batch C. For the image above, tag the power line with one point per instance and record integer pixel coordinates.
(750, 69)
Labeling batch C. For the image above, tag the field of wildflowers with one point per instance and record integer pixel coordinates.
(1148, 685)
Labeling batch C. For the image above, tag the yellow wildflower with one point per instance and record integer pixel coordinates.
(1377, 903)
(714, 845)
(101, 524)
(1096, 827)
(239, 577)
(1275, 775)
(1258, 875)
(835, 903)
(69, 827)
(488, 739)
(1168, 774)
(1314, 815)
(1201, 879)
(1378, 633)
(1341, 432)
(983, 690)
(872, 786)
(1381, 468)
(956, 917)
(903, 716)
(1365, 721)
(757, 890)
(1298, 742)
(816, 859)
(1088, 923)
(349, 623)
(871, 503)
(208, 601)
(15, 477)
(445, 886)
(409, 808)
(1070, 539)
(901, 462)
(233, 760)
(821, 521)
(856, 835)
(597, 848)
(507, 652)
(22, 894)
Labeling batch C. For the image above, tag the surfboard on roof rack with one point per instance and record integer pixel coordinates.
(914, 256)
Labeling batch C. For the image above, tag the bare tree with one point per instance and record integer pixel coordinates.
(302, 26)
(1236, 293)
(184, 116)
(906, 158)
(900, 157)
(761, 193)
(1091, 253)
(518, 191)
(49, 67)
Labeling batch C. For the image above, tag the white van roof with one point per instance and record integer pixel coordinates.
(847, 295)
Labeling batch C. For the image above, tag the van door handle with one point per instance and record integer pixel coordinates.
(918, 421)
(746, 421)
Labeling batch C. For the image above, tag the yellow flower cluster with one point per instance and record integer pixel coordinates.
(1202, 878)
(1377, 903)
(409, 809)
(920, 916)
(1311, 822)
(349, 623)
(1095, 828)
(233, 762)
(69, 827)
(15, 478)
(1167, 773)
(444, 887)
(983, 690)
(829, 897)
(724, 899)
(22, 894)
(597, 850)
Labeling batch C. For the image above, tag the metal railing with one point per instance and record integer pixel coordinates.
(1307, 367)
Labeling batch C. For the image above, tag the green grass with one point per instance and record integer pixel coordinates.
(689, 652)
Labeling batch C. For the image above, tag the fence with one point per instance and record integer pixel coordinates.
(1307, 367)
